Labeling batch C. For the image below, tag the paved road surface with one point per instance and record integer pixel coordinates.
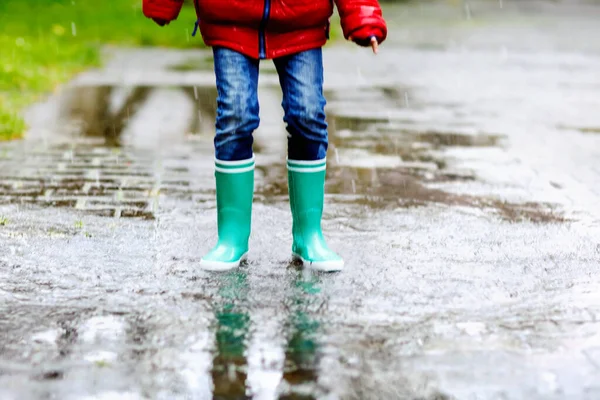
(463, 191)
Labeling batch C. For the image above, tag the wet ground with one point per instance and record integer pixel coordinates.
(463, 185)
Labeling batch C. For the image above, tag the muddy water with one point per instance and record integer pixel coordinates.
(462, 192)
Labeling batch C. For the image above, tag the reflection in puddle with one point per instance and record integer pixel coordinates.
(104, 111)
(205, 64)
(229, 370)
(380, 161)
(406, 187)
(586, 129)
(194, 64)
(88, 112)
(385, 188)
(356, 123)
(107, 176)
(302, 352)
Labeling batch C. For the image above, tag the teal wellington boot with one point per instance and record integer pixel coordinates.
(306, 183)
(235, 190)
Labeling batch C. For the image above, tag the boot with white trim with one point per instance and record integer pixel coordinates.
(235, 191)
(306, 184)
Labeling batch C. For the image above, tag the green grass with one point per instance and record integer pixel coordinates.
(45, 42)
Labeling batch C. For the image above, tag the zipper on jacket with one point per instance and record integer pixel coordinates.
(197, 23)
(262, 46)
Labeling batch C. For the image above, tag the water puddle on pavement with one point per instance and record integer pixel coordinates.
(229, 369)
(233, 328)
(205, 64)
(303, 349)
(374, 162)
(381, 162)
(589, 130)
(95, 167)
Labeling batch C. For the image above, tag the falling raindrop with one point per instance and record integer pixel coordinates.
(406, 99)
(337, 156)
(73, 29)
(353, 186)
(374, 177)
(196, 92)
(468, 10)
(501, 3)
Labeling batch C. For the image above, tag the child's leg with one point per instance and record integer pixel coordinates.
(237, 104)
(237, 118)
(301, 78)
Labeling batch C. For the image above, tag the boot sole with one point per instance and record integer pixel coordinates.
(323, 266)
(220, 266)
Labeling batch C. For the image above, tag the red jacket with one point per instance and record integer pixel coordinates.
(275, 28)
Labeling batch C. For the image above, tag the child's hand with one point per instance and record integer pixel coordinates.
(372, 41)
(374, 44)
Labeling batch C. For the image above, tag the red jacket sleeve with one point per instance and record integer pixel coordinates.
(166, 10)
(362, 19)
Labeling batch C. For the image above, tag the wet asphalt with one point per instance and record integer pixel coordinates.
(463, 190)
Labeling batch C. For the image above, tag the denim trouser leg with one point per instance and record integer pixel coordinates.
(237, 104)
(301, 78)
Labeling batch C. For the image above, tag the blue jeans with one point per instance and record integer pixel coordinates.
(301, 80)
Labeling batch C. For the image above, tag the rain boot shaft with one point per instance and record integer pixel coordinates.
(235, 191)
(306, 183)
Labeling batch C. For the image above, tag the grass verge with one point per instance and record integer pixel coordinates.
(45, 42)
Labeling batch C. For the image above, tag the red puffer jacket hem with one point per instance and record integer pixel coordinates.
(245, 40)
(275, 28)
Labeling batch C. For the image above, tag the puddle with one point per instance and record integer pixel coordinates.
(392, 188)
(229, 371)
(103, 112)
(384, 165)
(380, 166)
(586, 129)
(369, 332)
(302, 352)
(590, 130)
(87, 111)
(206, 64)
(355, 123)
(450, 139)
(194, 64)
(403, 188)
(378, 162)
(108, 177)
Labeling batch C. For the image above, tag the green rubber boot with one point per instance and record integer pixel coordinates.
(306, 183)
(235, 190)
